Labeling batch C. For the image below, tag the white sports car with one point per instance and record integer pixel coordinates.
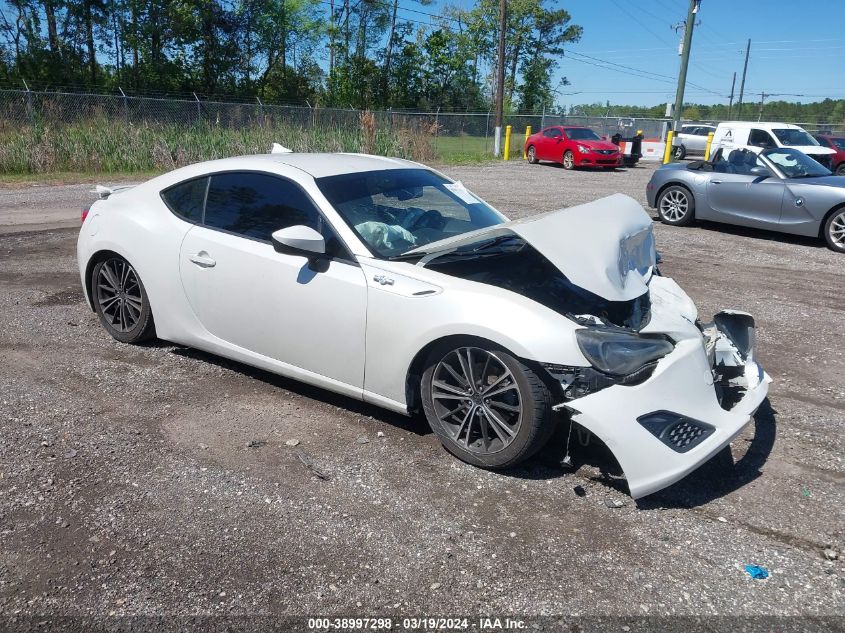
(386, 281)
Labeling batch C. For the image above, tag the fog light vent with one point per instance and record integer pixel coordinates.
(678, 432)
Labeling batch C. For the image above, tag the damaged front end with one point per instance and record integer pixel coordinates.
(665, 418)
(662, 390)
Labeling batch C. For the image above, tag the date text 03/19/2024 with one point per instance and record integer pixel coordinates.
(417, 623)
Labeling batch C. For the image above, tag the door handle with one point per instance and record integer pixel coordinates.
(716, 182)
(202, 260)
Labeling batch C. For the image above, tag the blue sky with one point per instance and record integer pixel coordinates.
(796, 48)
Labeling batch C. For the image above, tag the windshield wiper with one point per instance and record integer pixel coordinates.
(405, 256)
(459, 251)
(496, 241)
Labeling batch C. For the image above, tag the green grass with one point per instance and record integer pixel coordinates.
(72, 177)
(82, 151)
(469, 149)
(107, 146)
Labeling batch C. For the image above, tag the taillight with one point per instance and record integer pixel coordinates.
(84, 215)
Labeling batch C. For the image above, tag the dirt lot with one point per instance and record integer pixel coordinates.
(157, 480)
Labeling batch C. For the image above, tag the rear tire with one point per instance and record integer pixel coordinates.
(840, 169)
(486, 407)
(568, 160)
(679, 152)
(121, 301)
(834, 231)
(676, 206)
(532, 155)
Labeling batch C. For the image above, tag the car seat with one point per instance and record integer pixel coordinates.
(736, 162)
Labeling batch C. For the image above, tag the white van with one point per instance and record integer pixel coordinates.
(757, 136)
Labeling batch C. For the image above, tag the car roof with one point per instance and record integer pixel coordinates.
(760, 124)
(317, 165)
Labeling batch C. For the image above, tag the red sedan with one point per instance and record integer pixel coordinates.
(573, 147)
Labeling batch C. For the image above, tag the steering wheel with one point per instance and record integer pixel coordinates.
(431, 219)
(385, 216)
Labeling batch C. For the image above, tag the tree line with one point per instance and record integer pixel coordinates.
(349, 53)
(826, 112)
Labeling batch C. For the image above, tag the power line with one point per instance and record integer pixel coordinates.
(671, 78)
(638, 21)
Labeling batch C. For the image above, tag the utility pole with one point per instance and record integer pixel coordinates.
(742, 83)
(731, 102)
(500, 79)
(763, 96)
(682, 74)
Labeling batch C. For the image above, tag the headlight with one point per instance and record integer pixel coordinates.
(584, 149)
(618, 352)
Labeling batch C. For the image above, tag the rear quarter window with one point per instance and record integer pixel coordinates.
(187, 199)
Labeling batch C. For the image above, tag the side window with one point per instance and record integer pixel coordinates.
(761, 138)
(553, 133)
(256, 205)
(186, 199)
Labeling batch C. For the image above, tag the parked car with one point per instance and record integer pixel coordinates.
(572, 147)
(749, 135)
(385, 281)
(837, 144)
(692, 140)
(780, 189)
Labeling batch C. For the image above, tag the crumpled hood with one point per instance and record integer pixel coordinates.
(606, 246)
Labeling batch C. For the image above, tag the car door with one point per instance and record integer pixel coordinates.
(308, 314)
(736, 196)
(552, 139)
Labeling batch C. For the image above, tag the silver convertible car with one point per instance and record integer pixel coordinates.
(780, 189)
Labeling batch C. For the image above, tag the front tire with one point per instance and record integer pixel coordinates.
(834, 231)
(121, 301)
(676, 206)
(840, 169)
(568, 160)
(487, 408)
(679, 152)
(532, 155)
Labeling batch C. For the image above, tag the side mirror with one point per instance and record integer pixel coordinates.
(760, 172)
(299, 240)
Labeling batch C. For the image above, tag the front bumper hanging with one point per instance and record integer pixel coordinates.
(696, 402)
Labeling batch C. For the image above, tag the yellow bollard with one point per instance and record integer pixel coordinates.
(707, 148)
(507, 151)
(527, 134)
(667, 155)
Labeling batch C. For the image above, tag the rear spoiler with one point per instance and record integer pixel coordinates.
(104, 192)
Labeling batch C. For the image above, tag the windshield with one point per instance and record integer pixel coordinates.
(582, 134)
(395, 210)
(795, 164)
(794, 137)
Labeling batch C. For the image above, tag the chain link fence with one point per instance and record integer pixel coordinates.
(451, 135)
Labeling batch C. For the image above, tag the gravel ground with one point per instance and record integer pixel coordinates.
(160, 480)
